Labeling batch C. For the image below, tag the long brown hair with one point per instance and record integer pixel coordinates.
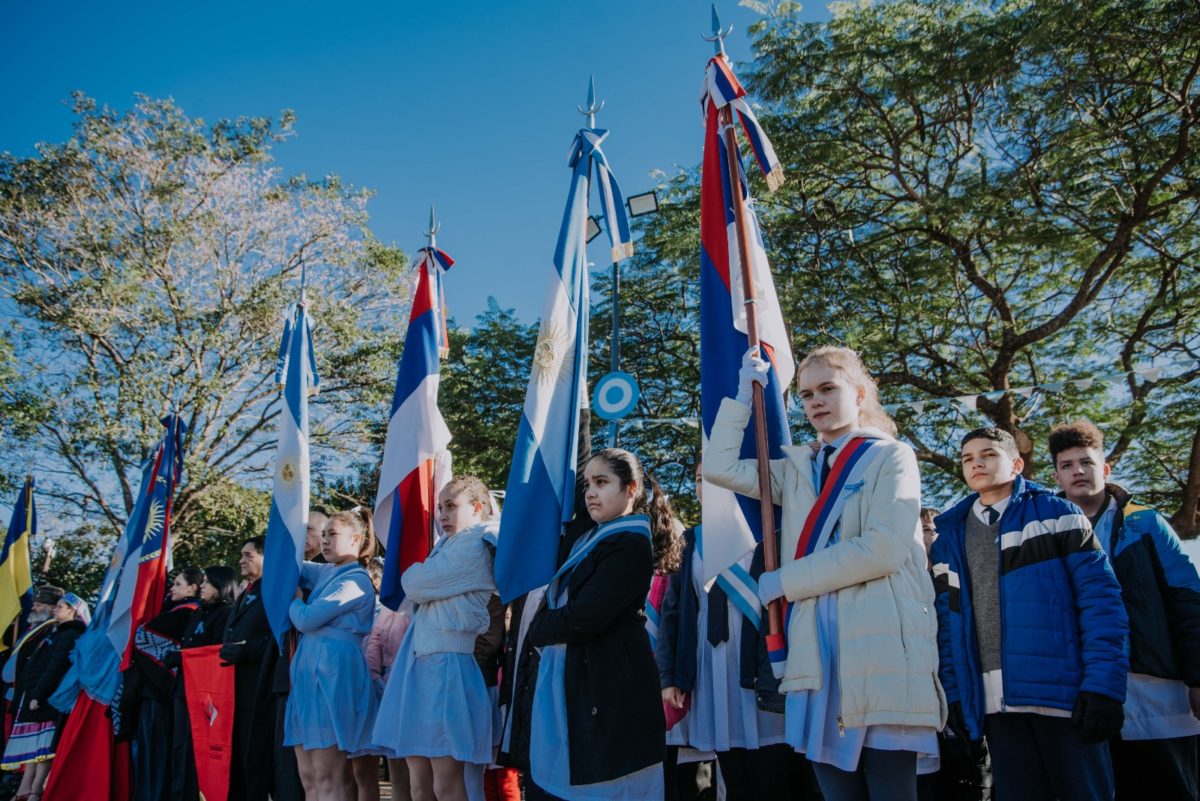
(871, 412)
(650, 501)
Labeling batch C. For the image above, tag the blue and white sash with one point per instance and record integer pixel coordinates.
(738, 584)
(629, 524)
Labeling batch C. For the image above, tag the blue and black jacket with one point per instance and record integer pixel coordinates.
(1063, 625)
(1161, 592)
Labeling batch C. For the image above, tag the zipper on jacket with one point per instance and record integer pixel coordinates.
(1003, 628)
(841, 727)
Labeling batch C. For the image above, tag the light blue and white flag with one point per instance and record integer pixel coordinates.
(541, 482)
(288, 521)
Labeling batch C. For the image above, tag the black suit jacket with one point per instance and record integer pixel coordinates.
(615, 718)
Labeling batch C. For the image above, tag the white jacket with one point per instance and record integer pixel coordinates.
(452, 588)
(887, 626)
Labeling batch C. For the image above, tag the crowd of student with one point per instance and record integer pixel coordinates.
(1026, 643)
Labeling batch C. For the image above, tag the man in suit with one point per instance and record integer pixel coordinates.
(250, 647)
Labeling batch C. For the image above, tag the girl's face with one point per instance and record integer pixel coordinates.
(340, 542)
(63, 612)
(605, 497)
(457, 512)
(831, 403)
(180, 589)
(208, 593)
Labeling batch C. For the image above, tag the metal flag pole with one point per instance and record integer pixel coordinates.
(614, 347)
(758, 403)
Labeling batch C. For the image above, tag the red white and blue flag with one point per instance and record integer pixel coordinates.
(416, 462)
(287, 523)
(732, 522)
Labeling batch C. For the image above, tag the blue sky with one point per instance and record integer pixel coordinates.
(470, 105)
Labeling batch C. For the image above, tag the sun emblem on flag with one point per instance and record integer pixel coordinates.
(287, 471)
(552, 359)
(155, 517)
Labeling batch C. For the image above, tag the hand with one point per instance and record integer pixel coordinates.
(1098, 717)
(1194, 701)
(299, 596)
(231, 653)
(673, 696)
(754, 371)
(34, 705)
(770, 587)
(956, 722)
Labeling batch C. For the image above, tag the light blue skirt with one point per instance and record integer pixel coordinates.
(332, 702)
(435, 706)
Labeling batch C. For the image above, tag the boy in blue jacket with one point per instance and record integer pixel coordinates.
(1162, 597)
(1031, 630)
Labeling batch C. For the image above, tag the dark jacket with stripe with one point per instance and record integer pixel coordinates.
(678, 633)
(1161, 592)
(615, 720)
(1063, 625)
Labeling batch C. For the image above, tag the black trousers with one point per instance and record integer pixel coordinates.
(152, 768)
(1041, 758)
(692, 781)
(1168, 765)
(752, 774)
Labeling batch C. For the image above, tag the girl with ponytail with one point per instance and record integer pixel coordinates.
(598, 730)
(331, 708)
(438, 711)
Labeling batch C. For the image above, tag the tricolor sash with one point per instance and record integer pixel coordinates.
(844, 480)
(654, 602)
(738, 584)
(629, 524)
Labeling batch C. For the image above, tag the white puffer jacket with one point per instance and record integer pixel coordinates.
(887, 626)
(452, 588)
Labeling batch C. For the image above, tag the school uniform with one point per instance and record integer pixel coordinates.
(436, 703)
(332, 703)
(859, 673)
(597, 724)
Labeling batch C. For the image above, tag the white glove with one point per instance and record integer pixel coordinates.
(754, 370)
(770, 587)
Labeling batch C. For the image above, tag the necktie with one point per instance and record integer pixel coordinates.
(991, 514)
(826, 457)
(718, 615)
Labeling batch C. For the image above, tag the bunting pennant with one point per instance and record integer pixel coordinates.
(416, 459)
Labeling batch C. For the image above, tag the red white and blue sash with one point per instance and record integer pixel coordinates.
(844, 480)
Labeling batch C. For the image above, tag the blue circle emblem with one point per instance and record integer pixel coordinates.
(615, 396)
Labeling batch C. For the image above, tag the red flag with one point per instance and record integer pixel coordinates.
(98, 768)
(210, 702)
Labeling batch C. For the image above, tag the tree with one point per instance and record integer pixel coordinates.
(151, 259)
(988, 196)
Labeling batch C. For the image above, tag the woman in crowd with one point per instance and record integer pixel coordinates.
(598, 730)
(331, 708)
(37, 725)
(206, 627)
(439, 714)
(860, 675)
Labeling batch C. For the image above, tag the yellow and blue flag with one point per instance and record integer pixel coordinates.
(16, 584)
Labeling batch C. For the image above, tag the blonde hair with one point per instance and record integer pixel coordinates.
(870, 412)
(359, 519)
(475, 490)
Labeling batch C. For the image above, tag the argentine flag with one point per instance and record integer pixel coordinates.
(541, 482)
(287, 524)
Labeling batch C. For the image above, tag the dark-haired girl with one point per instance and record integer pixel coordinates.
(331, 708)
(598, 729)
(206, 627)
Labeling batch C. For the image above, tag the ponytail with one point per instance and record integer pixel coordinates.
(666, 540)
(360, 519)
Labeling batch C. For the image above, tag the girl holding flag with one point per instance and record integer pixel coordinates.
(860, 666)
(598, 730)
(331, 708)
(439, 713)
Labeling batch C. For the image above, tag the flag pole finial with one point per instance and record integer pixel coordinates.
(718, 35)
(592, 109)
(434, 226)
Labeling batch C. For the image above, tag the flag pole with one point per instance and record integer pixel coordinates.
(758, 402)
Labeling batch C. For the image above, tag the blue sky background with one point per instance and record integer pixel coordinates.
(470, 105)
